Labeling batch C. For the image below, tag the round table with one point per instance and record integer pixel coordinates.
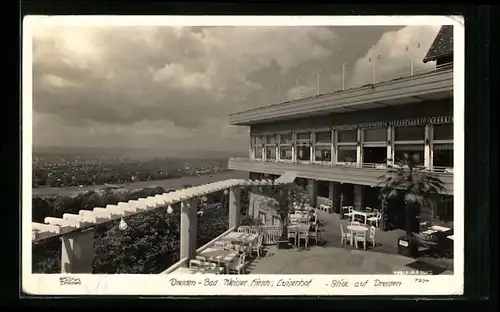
(357, 228)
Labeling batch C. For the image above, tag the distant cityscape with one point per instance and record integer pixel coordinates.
(70, 170)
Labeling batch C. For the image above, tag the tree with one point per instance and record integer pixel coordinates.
(285, 195)
(411, 183)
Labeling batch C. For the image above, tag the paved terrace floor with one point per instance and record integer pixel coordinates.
(333, 258)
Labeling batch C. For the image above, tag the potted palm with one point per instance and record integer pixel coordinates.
(417, 187)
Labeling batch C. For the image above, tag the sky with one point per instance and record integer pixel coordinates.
(172, 87)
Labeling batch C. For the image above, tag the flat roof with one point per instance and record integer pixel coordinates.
(429, 86)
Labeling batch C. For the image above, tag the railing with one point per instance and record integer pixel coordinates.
(262, 99)
(271, 234)
(344, 164)
(183, 261)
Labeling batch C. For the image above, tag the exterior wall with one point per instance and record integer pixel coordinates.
(258, 205)
(427, 109)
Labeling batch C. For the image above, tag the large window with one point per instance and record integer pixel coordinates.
(442, 146)
(409, 143)
(271, 142)
(303, 147)
(347, 146)
(323, 146)
(375, 146)
(346, 154)
(409, 133)
(285, 146)
(257, 146)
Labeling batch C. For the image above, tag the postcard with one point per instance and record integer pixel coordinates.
(237, 155)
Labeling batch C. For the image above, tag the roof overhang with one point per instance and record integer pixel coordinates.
(422, 88)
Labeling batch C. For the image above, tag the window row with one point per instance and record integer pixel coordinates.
(374, 150)
(440, 132)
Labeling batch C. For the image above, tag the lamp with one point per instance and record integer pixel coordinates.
(123, 225)
(170, 209)
(226, 192)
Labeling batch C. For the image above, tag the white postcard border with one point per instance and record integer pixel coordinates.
(161, 284)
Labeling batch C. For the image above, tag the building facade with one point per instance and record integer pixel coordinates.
(341, 143)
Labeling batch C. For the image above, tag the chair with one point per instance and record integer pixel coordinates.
(345, 236)
(360, 237)
(195, 264)
(292, 233)
(375, 219)
(368, 209)
(238, 265)
(219, 245)
(303, 235)
(349, 210)
(314, 234)
(371, 238)
(258, 247)
(242, 229)
(355, 223)
(202, 259)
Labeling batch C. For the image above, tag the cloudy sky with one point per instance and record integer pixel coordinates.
(173, 87)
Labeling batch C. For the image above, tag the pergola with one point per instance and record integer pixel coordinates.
(76, 230)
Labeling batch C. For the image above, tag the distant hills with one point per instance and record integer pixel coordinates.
(137, 153)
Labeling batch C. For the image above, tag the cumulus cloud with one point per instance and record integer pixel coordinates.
(151, 86)
(395, 54)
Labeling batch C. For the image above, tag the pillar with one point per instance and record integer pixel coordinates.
(427, 147)
(77, 252)
(334, 195)
(312, 191)
(390, 144)
(334, 147)
(234, 207)
(358, 197)
(359, 147)
(294, 147)
(188, 230)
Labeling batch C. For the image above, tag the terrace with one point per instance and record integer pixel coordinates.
(326, 256)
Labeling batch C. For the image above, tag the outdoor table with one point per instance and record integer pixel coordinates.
(365, 215)
(300, 217)
(358, 229)
(233, 236)
(299, 227)
(438, 228)
(189, 271)
(219, 256)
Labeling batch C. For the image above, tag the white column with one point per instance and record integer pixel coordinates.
(313, 146)
(264, 155)
(234, 207)
(427, 147)
(250, 149)
(188, 230)
(359, 147)
(334, 147)
(278, 157)
(390, 150)
(77, 252)
(294, 147)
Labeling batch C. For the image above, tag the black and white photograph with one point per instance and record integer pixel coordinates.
(295, 154)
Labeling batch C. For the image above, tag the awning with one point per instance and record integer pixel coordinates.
(345, 127)
(287, 177)
(377, 124)
(409, 147)
(443, 147)
(421, 121)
